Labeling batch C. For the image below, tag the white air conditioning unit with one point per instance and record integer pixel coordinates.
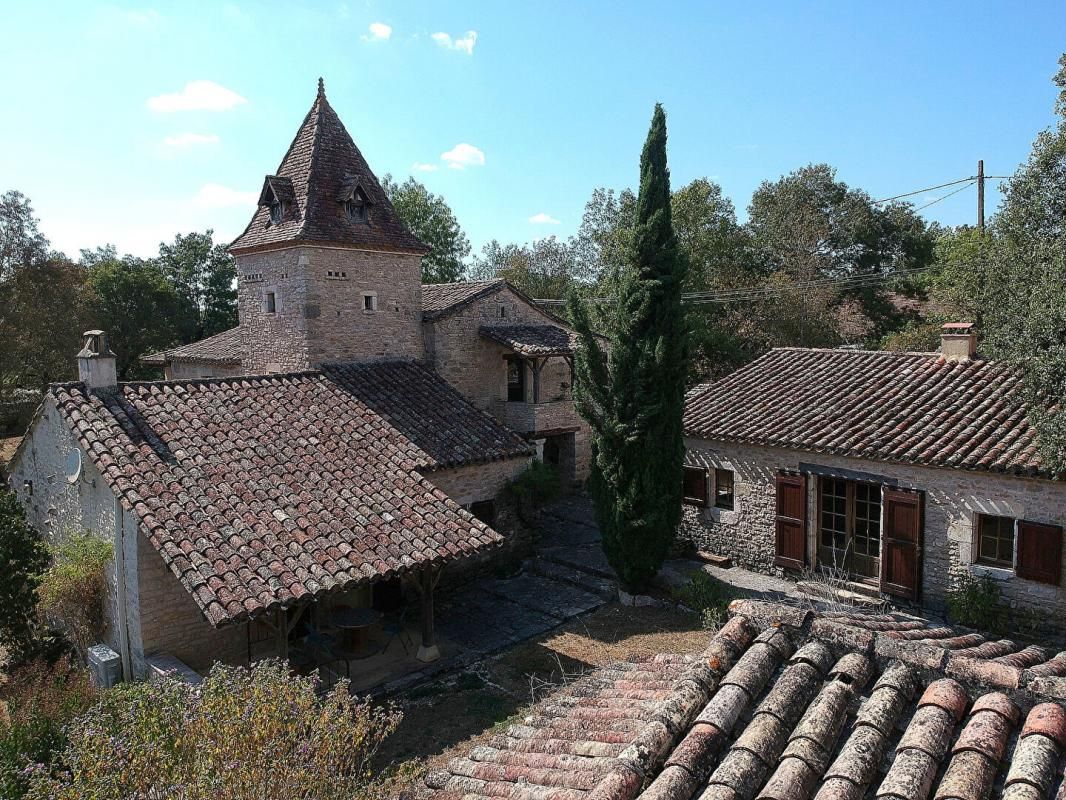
(105, 666)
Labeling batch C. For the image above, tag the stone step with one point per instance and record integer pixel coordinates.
(590, 582)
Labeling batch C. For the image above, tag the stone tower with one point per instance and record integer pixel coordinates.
(326, 269)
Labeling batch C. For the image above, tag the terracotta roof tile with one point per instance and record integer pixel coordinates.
(321, 161)
(532, 340)
(825, 721)
(223, 348)
(441, 299)
(259, 491)
(912, 408)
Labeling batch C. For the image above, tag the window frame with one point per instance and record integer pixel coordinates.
(691, 500)
(270, 301)
(719, 496)
(980, 522)
(373, 298)
(277, 211)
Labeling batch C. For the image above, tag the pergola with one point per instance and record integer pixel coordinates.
(534, 345)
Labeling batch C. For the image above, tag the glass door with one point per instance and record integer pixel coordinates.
(849, 535)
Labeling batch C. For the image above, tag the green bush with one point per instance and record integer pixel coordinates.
(22, 556)
(707, 596)
(975, 603)
(537, 485)
(37, 701)
(72, 591)
(254, 732)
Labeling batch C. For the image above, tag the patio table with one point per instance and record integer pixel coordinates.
(354, 623)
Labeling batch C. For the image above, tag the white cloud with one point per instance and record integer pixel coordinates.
(543, 219)
(379, 31)
(464, 44)
(215, 195)
(183, 141)
(463, 155)
(418, 166)
(197, 96)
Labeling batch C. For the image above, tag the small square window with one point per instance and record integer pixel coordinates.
(694, 489)
(723, 489)
(995, 541)
(370, 302)
(270, 303)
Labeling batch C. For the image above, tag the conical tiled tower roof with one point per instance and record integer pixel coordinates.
(322, 167)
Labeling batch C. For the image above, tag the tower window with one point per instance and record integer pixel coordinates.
(356, 206)
(270, 303)
(277, 211)
(370, 301)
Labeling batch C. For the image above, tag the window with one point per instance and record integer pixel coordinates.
(357, 207)
(370, 301)
(723, 489)
(995, 541)
(501, 311)
(277, 211)
(270, 303)
(516, 381)
(849, 525)
(337, 275)
(484, 510)
(694, 488)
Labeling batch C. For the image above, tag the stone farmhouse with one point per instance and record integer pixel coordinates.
(351, 433)
(906, 470)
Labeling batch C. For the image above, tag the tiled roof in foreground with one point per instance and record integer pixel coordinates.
(262, 491)
(914, 408)
(532, 340)
(786, 704)
(223, 348)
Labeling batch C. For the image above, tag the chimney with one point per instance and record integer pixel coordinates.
(958, 341)
(96, 362)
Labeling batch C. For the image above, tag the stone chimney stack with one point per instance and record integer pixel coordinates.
(958, 341)
(96, 362)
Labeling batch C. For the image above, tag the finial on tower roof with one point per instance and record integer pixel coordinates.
(321, 88)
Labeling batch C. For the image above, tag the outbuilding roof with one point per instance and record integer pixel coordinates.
(789, 704)
(223, 348)
(442, 299)
(532, 340)
(916, 408)
(261, 491)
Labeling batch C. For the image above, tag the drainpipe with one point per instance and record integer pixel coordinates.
(123, 617)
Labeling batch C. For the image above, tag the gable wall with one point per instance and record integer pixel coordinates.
(186, 370)
(952, 500)
(321, 319)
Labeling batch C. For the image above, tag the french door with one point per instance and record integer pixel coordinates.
(849, 526)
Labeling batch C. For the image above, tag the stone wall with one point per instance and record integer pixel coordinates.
(476, 367)
(57, 508)
(475, 482)
(953, 498)
(319, 307)
(195, 370)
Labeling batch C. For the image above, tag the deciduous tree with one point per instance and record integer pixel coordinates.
(432, 220)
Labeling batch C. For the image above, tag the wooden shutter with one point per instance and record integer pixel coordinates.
(791, 521)
(901, 559)
(1039, 552)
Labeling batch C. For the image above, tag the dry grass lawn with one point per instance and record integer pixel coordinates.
(443, 718)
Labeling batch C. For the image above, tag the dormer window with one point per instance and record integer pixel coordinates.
(355, 200)
(277, 198)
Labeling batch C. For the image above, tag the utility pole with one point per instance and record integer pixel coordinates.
(981, 195)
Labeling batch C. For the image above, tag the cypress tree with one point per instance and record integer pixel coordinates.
(632, 393)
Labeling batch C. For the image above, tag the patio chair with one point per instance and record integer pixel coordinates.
(395, 627)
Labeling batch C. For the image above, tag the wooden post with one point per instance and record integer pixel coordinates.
(281, 630)
(981, 195)
(538, 365)
(428, 650)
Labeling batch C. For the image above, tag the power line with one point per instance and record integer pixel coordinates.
(940, 186)
(945, 197)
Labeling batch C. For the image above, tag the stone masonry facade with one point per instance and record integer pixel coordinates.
(476, 367)
(953, 499)
(320, 313)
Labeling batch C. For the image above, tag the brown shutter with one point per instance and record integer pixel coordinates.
(901, 561)
(791, 522)
(1039, 552)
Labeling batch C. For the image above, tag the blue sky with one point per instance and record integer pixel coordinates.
(513, 111)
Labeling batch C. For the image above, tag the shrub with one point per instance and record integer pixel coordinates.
(707, 596)
(36, 703)
(254, 732)
(537, 485)
(22, 556)
(974, 602)
(72, 591)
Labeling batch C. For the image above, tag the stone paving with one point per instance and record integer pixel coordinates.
(568, 576)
